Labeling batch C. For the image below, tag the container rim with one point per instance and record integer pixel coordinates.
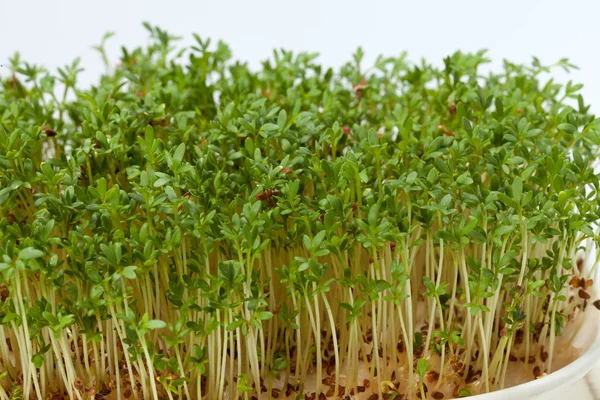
(567, 375)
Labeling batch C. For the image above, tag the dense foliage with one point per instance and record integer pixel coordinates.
(190, 227)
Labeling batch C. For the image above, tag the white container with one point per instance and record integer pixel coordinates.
(588, 340)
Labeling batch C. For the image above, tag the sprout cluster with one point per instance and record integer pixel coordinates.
(190, 228)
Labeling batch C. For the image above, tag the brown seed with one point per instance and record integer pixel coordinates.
(597, 304)
(275, 393)
(161, 122)
(4, 293)
(127, 393)
(292, 387)
(583, 294)
(543, 354)
(361, 85)
(400, 347)
(589, 283)
(472, 376)
(322, 397)
(366, 383)
(452, 108)
(374, 396)
(354, 206)
(530, 360)
(11, 219)
(503, 331)
(455, 391)
(286, 170)
(437, 395)
(538, 327)
(13, 81)
(330, 368)
(537, 372)
(78, 385)
(432, 377)
(48, 131)
(330, 392)
(360, 389)
(519, 335)
(574, 282)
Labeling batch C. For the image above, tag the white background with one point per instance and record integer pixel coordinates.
(53, 33)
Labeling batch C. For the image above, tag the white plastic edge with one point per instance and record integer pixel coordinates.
(567, 375)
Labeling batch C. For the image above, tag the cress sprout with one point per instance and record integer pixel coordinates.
(192, 228)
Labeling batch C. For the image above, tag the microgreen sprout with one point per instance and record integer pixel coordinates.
(192, 228)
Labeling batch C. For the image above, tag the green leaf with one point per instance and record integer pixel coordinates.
(162, 181)
(269, 129)
(441, 166)
(264, 315)
(464, 179)
(410, 179)
(38, 360)
(380, 286)
(318, 239)
(422, 367)
(373, 215)
(468, 126)
(515, 160)
(155, 324)
(129, 272)
(517, 189)
(282, 119)
(179, 153)
(567, 128)
(29, 253)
